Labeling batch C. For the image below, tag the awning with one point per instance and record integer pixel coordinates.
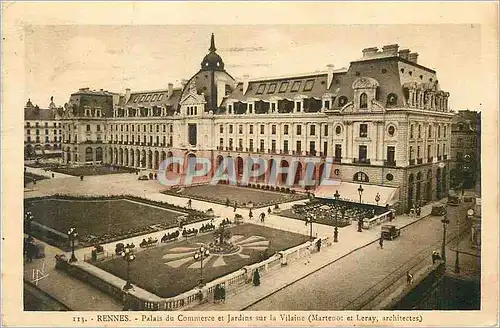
(349, 192)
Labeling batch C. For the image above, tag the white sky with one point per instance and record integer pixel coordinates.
(61, 59)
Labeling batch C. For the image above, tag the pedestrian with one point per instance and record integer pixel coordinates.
(156, 176)
(409, 278)
(269, 210)
(81, 177)
(234, 207)
(381, 242)
(53, 175)
(418, 211)
(318, 244)
(262, 216)
(189, 203)
(250, 215)
(434, 257)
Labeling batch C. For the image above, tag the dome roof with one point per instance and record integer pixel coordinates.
(212, 61)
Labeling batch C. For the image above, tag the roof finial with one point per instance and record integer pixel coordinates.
(212, 44)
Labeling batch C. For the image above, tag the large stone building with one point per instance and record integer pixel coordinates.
(384, 123)
(42, 129)
(466, 149)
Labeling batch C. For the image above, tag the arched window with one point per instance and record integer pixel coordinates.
(363, 100)
(98, 154)
(89, 154)
(361, 177)
(392, 99)
(419, 176)
(411, 178)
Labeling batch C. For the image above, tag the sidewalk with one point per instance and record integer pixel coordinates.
(48, 173)
(72, 292)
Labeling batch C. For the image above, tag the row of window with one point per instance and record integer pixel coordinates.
(47, 139)
(271, 88)
(148, 98)
(46, 125)
(144, 127)
(429, 151)
(312, 129)
(429, 131)
(28, 131)
(144, 139)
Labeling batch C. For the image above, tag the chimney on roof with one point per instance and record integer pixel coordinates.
(329, 79)
(390, 50)
(413, 57)
(245, 83)
(170, 90)
(403, 53)
(127, 94)
(369, 52)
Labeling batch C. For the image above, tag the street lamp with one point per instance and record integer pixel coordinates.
(128, 255)
(445, 221)
(470, 213)
(336, 231)
(377, 198)
(72, 235)
(309, 220)
(360, 191)
(29, 218)
(200, 254)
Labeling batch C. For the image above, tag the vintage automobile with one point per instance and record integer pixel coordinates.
(438, 210)
(453, 201)
(389, 232)
(143, 177)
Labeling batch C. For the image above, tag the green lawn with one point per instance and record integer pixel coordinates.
(150, 271)
(105, 219)
(242, 195)
(29, 177)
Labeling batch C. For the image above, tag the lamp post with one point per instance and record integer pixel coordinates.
(129, 256)
(309, 220)
(72, 235)
(336, 231)
(445, 221)
(377, 198)
(29, 218)
(360, 191)
(200, 254)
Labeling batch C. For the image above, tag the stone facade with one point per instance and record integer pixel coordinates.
(42, 129)
(384, 116)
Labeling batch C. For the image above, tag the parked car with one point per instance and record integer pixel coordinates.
(389, 232)
(453, 201)
(143, 177)
(438, 210)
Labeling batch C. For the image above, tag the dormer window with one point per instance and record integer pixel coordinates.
(160, 96)
(363, 100)
(260, 89)
(342, 100)
(136, 99)
(295, 86)
(148, 97)
(309, 85)
(283, 87)
(143, 97)
(272, 88)
(392, 99)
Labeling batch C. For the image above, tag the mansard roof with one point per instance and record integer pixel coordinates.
(152, 98)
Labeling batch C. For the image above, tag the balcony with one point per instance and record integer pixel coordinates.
(420, 160)
(390, 163)
(286, 152)
(439, 157)
(361, 161)
(412, 162)
(429, 159)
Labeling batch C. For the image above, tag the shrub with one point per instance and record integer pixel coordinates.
(287, 190)
(293, 191)
(258, 185)
(267, 187)
(271, 188)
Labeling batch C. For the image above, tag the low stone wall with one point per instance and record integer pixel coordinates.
(377, 220)
(142, 300)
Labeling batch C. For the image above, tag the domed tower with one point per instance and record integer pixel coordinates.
(211, 81)
(212, 61)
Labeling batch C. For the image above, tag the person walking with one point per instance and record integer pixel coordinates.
(381, 242)
(250, 214)
(189, 203)
(269, 210)
(234, 207)
(53, 175)
(409, 278)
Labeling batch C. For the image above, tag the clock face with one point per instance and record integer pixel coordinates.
(441, 165)
(470, 212)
